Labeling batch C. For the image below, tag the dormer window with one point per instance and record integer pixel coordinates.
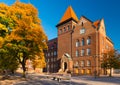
(82, 31)
(68, 27)
(64, 29)
(60, 31)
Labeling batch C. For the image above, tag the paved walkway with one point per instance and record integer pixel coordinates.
(98, 81)
(41, 79)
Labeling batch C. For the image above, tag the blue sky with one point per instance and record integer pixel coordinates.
(51, 11)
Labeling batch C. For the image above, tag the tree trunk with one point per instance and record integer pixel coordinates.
(110, 72)
(24, 69)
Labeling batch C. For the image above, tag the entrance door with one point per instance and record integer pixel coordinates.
(65, 66)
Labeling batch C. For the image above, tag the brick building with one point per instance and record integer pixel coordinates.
(79, 45)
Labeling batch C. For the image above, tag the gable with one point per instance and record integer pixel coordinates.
(101, 28)
(83, 20)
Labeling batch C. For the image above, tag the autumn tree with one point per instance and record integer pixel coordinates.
(38, 61)
(7, 61)
(110, 60)
(26, 37)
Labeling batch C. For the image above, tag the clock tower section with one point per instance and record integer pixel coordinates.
(65, 29)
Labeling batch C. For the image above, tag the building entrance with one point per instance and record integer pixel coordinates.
(65, 66)
(66, 63)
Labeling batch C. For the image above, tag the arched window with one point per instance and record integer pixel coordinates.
(82, 31)
(60, 31)
(88, 63)
(89, 40)
(82, 52)
(77, 43)
(83, 42)
(64, 29)
(77, 53)
(82, 63)
(76, 64)
(68, 27)
(74, 27)
(88, 51)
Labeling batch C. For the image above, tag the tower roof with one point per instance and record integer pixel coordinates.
(69, 14)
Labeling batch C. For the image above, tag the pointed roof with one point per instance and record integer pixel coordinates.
(69, 14)
(96, 23)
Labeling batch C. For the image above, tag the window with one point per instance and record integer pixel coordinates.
(88, 71)
(64, 29)
(83, 42)
(51, 53)
(82, 63)
(54, 59)
(51, 59)
(88, 40)
(82, 31)
(74, 27)
(48, 66)
(48, 54)
(55, 53)
(52, 47)
(82, 52)
(77, 53)
(60, 31)
(51, 65)
(54, 66)
(68, 27)
(76, 64)
(48, 60)
(77, 43)
(88, 51)
(88, 63)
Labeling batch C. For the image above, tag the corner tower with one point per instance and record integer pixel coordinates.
(65, 28)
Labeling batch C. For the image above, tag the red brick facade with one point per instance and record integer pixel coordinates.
(85, 41)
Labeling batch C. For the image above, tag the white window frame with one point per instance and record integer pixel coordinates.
(83, 42)
(60, 31)
(55, 53)
(88, 63)
(88, 51)
(88, 40)
(64, 29)
(82, 31)
(82, 63)
(68, 27)
(77, 53)
(77, 43)
(82, 52)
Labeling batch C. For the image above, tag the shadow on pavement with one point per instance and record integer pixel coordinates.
(106, 79)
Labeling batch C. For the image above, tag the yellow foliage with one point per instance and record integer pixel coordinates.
(1, 41)
(39, 61)
(26, 26)
(2, 27)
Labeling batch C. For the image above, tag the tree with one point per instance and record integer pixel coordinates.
(110, 60)
(26, 37)
(38, 61)
(7, 61)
